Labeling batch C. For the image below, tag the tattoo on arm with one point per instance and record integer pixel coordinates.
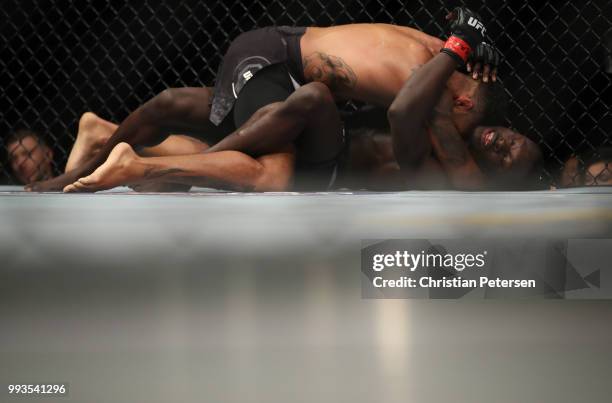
(330, 70)
(154, 173)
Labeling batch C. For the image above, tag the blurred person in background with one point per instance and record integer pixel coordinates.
(592, 168)
(29, 156)
(598, 168)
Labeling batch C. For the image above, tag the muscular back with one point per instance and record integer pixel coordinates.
(367, 62)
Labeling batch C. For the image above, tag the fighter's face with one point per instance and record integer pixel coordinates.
(504, 152)
(30, 161)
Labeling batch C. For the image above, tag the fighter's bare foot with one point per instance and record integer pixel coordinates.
(54, 184)
(119, 169)
(93, 133)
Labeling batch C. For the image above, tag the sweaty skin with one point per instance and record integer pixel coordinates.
(371, 165)
(93, 132)
(365, 62)
(228, 170)
(368, 62)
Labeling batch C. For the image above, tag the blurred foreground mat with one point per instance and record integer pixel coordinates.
(212, 219)
(257, 297)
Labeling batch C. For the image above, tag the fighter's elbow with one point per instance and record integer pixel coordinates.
(395, 115)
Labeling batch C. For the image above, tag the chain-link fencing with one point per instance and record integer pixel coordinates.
(60, 58)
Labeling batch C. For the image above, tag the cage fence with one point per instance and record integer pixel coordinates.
(62, 58)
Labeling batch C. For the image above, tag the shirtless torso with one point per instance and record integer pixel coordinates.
(367, 62)
(364, 62)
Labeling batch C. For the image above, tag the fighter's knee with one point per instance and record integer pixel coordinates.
(318, 89)
(87, 121)
(315, 96)
(173, 101)
(310, 100)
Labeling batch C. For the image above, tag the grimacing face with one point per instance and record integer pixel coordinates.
(503, 152)
(30, 160)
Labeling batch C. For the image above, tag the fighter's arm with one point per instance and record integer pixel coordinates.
(418, 128)
(225, 170)
(453, 154)
(412, 111)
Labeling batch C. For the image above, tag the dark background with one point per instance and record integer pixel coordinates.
(59, 59)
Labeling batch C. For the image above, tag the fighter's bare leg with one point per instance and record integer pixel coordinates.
(95, 131)
(92, 133)
(229, 169)
(177, 110)
(308, 116)
(176, 144)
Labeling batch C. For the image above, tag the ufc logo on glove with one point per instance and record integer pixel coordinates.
(477, 24)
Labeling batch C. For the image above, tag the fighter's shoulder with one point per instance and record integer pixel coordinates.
(421, 41)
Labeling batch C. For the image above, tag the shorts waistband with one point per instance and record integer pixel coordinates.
(293, 36)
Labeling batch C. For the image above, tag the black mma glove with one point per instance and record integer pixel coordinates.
(485, 53)
(466, 32)
(485, 59)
